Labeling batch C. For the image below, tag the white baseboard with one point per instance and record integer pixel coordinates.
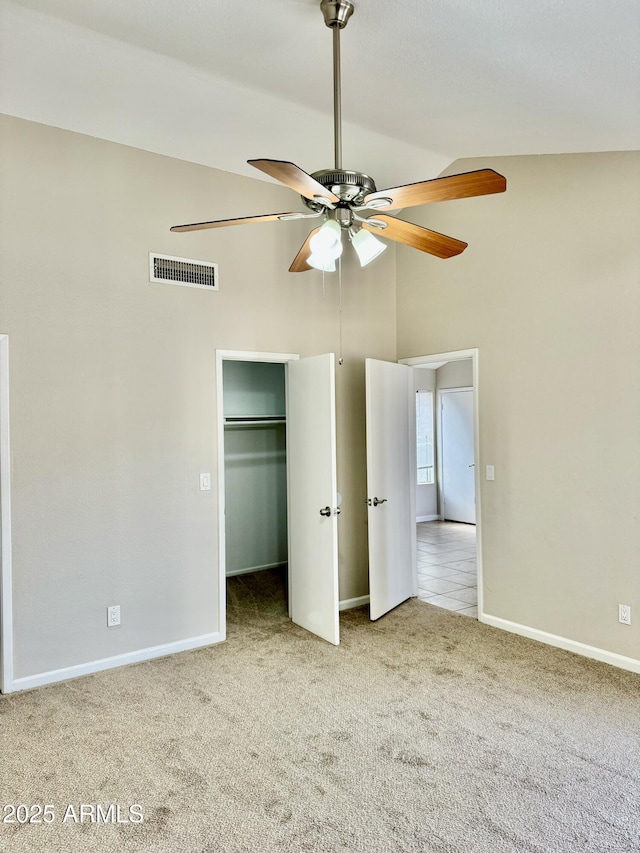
(349, 603)
(577, 648)
(233, 572)
(118, 660)
(427, 518)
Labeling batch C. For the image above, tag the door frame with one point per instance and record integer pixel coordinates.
(223, 355)
(6, 600)
(459, 355)
(440, 458)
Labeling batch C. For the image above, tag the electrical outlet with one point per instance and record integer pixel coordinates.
(624, 614)
(113, 616)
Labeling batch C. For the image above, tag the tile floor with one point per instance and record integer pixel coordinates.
(447, 575)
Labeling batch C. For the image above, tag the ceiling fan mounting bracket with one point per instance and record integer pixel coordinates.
(350, 187)
(336, 12)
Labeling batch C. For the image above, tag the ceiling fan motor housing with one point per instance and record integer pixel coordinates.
(350, 187)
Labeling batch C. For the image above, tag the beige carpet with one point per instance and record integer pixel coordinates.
(424, 731)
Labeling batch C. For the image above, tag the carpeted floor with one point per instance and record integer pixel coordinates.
(424, 731)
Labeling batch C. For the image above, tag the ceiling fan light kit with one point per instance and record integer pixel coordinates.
(321, 263)
(367, 246)
(338, 195)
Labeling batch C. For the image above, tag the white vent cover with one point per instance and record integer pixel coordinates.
(183, 271)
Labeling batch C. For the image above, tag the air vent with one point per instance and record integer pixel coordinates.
(183, 271)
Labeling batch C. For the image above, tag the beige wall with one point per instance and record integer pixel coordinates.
(549, 291)
(113, 398)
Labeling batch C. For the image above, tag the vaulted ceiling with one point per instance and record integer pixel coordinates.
(424, 81)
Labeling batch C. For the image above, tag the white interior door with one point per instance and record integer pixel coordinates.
(312, 482)
(390, 484)
(457, 467)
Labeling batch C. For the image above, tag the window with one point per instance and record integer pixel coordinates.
(424, 436)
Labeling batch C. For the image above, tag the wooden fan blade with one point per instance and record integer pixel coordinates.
(300, 261)
(417, 237)
(466, 185)
(221, 223)
(293, 176)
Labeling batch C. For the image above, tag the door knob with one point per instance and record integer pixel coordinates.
(377, 501)
(473, 465)
(327, 511)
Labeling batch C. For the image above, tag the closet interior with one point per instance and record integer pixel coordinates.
(255, 466)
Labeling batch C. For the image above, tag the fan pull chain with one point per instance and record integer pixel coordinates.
(340, 359)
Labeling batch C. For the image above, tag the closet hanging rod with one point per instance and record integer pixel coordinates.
(267, 420)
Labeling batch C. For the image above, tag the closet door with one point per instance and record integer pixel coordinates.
(390, 484)
(313, 521)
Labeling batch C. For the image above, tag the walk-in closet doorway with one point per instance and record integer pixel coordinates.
(252, 467)
(277, 479)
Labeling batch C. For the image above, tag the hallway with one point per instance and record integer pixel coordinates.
(447, 573)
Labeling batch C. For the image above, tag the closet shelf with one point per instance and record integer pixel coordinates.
(255, 421)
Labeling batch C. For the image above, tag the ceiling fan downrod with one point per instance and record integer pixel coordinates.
(336, 15)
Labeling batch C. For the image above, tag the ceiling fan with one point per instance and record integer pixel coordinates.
(340, 195)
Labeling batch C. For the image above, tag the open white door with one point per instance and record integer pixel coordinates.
(313, 521)
(390, 484)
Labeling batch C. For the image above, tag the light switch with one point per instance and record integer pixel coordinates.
(491, 474)
(205, 482)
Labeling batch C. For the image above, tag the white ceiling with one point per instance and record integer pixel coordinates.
(423, 82)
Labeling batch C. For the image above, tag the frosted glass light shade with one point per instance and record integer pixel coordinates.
(325, 247)
(332, 252)
(320, 262)
(327, 236)
(367, 247)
